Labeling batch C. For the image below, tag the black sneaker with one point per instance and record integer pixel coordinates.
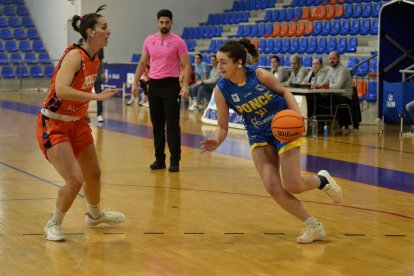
(174, 168)
(157, 165)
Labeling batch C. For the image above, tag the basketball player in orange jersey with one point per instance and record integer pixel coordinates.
(255, 94)
(65, 136)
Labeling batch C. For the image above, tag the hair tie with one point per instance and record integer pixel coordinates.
(80, 18)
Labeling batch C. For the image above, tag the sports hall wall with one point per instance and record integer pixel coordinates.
(129, 20)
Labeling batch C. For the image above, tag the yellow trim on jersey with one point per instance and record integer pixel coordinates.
(286, 147)
(241, 84)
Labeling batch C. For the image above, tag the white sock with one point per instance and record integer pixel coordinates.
(311, 221)
(94, 210)
(57, 216)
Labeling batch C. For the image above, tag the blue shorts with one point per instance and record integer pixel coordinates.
(260, 140)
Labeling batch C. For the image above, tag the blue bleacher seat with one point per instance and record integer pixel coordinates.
(44, 58)
(246, 31)
(290, 13)
(277, 45)
(352, 45)
(336, 27)
(307, 61)
(269, 46)
(376, 9)
(294, 45)
(136, 57)
(30, 58)
(303, 45)
(312, 45)
(326, 29)
(3, 22)
(19, 33)
(38, 46)
(268, 30)
(11, 46)
(4, 59)
(16, 58)
(285, 46)
(362, 70)
(1, 46)
(22, 71)
(212, 46)
(357, 11)
(22, 10)
(341, 46)
(261, 29)
(267, 17)
(49, 71)
(322, 45)
(282, 15)
(348, 10)
(240, 31)
(287, 62)
(298, 14)
(352, 61)
(7, 72)
(371, 95)
(36, 71)
(253, 31)
(14, 21)
(373, 67)
(9, 10)
(5, 34)
(262, 61)
(374, 27)
(366, 10)
(332, 44)
(275, 15)
(365, 27)
(24, 46)
(27, 22)
(262, 45)
(317, 28)
(355, 25)
(345, 26)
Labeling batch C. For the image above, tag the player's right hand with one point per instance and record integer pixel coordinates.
(208, 145)
(107, 93)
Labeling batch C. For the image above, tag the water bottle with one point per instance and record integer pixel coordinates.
(325, 129)
(314, 126)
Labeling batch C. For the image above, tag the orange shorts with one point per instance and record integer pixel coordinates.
(50, 132)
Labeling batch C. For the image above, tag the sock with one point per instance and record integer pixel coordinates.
(57, 216)
(311, 221)
(324, 181)
(94, 210)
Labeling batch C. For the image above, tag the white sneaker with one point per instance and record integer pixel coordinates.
(311, 233)
(332, 189)
(146, 104)
(53, 231)
(107, 216)
(132, 100)
(100, 119)
(142, 101)
(193, 106)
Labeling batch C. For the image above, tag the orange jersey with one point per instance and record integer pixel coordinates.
(83, 80)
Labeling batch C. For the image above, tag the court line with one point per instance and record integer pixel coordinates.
(35, 176)
(366, 174)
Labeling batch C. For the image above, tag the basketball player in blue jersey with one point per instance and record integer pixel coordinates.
(255, 94)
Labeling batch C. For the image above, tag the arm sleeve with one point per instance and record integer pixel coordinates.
(182, 48)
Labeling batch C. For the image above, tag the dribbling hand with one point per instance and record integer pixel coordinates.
(107, 93)
(208, 145)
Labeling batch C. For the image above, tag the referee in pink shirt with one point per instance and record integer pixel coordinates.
(164, 51)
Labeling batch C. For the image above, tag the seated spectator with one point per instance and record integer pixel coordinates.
(201, 72)
(338, 77)
(143, 83)
(298, 73)
(277, 70)
(315, 77)
(205, 87)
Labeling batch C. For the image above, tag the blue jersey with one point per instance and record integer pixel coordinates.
(252, 100)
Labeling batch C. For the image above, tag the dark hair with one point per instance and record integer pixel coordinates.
(276, 58)
(236, 49)
(213, 55)
(87, 21)
(164, 13)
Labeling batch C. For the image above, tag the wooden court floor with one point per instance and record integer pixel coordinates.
(214, 216)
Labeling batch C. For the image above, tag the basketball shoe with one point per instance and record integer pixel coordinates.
(107, 216)
(332, 189)
(311, 233)
(53, 231)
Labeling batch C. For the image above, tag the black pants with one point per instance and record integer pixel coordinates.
(98, 89)
(164, 104)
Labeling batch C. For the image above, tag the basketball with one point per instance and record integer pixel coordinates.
(287, 126)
